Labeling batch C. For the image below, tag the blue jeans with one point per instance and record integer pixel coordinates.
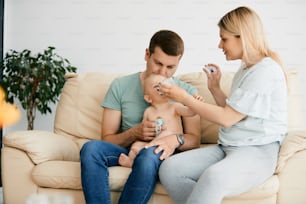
(97, 156)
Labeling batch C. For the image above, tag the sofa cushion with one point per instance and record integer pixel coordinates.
(294, 142)
(66, 175)
(267, 189)
(79, 112)
(43, 146)
(58, 174)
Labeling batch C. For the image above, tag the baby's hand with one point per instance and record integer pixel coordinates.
(198, 97)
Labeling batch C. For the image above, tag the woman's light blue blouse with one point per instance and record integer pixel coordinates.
(259, 92)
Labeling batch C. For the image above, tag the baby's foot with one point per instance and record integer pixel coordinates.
(125, 161)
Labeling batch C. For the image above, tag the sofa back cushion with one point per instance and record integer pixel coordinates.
(79, 111)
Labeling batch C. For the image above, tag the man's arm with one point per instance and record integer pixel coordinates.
(111, 125)
(192, 133)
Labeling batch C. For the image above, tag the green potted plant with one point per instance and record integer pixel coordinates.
(36, 80)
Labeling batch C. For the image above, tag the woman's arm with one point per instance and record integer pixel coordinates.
(224, 116)
(182, 110)
(219, 96)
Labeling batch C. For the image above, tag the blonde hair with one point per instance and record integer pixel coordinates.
(244, 23)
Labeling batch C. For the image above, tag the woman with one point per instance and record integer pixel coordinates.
(253, 119)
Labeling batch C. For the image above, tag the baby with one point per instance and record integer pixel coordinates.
(162, 111)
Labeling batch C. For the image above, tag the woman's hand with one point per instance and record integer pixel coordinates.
(213, 73)
(173, 92)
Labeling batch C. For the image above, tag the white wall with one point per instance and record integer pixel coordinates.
(111, 35)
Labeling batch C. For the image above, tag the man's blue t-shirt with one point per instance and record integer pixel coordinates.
(125, 94)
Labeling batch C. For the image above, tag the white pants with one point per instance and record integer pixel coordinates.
(207, 175)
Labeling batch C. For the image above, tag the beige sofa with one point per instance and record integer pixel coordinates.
(36, 162)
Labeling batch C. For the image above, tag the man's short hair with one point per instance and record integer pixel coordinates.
(170, 43)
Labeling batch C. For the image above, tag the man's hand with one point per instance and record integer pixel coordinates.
(167, 144)
(145, 131)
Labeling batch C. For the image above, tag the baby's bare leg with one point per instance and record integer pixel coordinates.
(128, 160)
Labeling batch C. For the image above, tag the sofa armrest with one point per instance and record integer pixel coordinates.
(43, 146)
(293, 143)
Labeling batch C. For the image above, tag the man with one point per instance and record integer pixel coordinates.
(122, 124)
